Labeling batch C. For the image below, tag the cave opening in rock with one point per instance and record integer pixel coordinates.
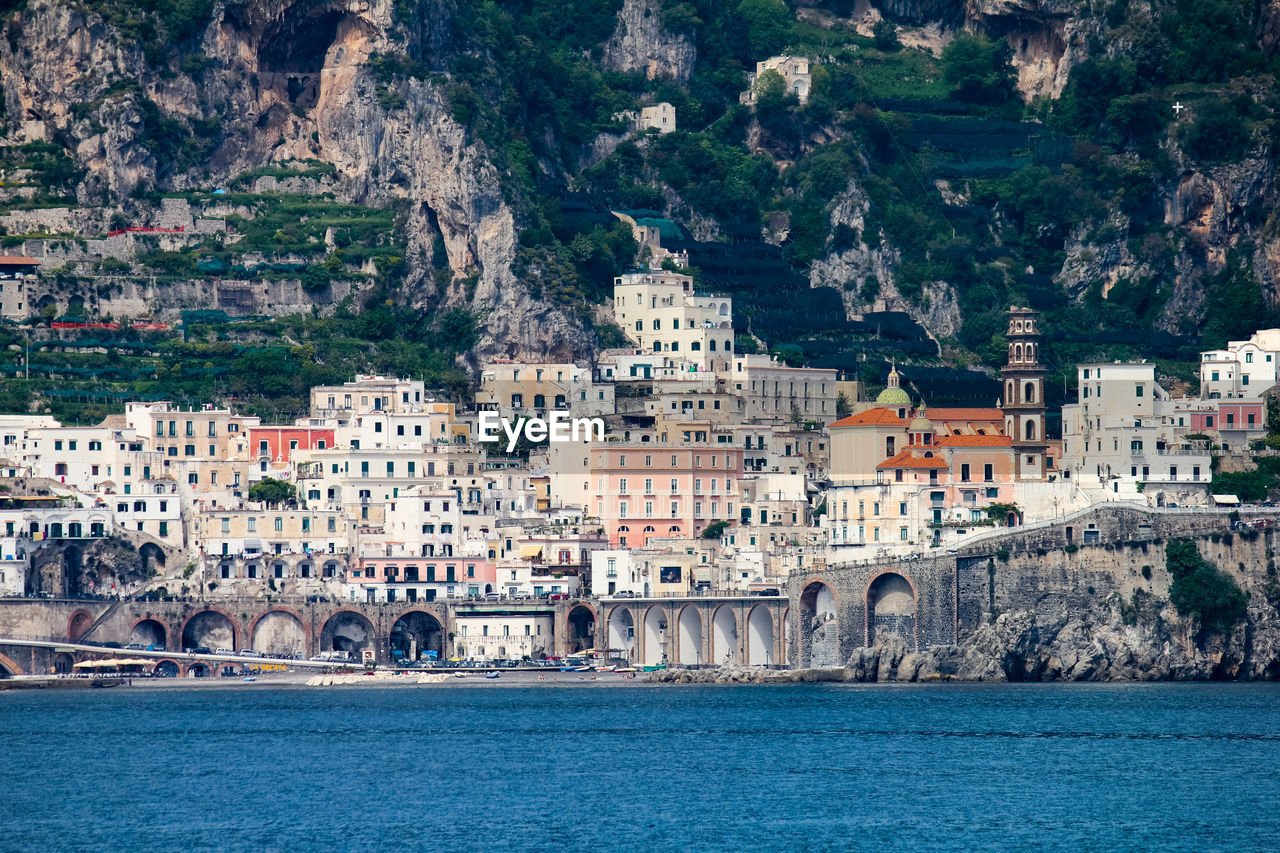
(298, 43)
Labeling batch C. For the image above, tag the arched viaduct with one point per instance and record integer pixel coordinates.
(691, 631)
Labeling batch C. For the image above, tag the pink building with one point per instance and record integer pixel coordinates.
(464, 573)
(278, 442)
(644, 491)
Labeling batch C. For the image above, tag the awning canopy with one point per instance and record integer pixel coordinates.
(528, 552)
(1226, 500)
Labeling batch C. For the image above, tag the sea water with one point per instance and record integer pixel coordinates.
(817, 767)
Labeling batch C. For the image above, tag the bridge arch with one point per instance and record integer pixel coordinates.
(200, 669)
(415, 633)
(9, 668)
(279, 631)
(348, 631)
(580, 628)
(819, 626)
(654, 647)
(210, 627)
(689, 650)
(760, 636)
(166, 668)
(63, 663)
(78, 624)
(891, 608)
(724, 636)
(621, 634)
(149, 631)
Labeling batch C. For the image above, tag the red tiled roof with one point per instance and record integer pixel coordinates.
(871, 417)
(18, 260)
(972, 414)
(904, 459)
(975, 441)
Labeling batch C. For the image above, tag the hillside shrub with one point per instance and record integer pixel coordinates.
(1202, 590)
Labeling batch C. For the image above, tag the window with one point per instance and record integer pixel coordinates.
(1137, 390)
(253, 525)
(279, 524)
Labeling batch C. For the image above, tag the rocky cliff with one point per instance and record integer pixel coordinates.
(285, 79)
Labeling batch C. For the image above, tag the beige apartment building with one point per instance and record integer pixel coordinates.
(662, 314)
(515, 389)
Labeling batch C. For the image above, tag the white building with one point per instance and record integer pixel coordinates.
(1123, 436)
(1243, 369)
(507, 636)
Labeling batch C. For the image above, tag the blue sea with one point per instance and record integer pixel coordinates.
(809, 767)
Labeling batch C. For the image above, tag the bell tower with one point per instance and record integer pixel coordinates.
(1024, 395)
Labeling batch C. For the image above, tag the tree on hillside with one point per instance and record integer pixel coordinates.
(978, 70)
(272, 491)
(768, 25)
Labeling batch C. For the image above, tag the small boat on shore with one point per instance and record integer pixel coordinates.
(493, 674)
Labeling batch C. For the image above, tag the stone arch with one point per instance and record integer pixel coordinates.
(9, 668)
(152, 555)
(655, 636)
(690, 633)
(200, 669)
(166, 668)
(891, 608)
(347, 631)
(760, 636)
(278, 632)
(211, 628)
(150, 632)
(63, 663)
(819, 626)
(724, 636)
(78, 624)
(416, 633)
(621, 633)
(580, 628)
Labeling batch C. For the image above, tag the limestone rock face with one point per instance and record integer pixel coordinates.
(641, 43)
(847, 268)
(291, 79)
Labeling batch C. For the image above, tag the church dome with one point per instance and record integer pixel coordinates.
(893, 395)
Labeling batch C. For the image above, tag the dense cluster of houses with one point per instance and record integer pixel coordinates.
(718, 470)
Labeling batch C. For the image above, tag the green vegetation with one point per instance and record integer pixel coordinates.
(714, 530)
(1202, 590)
(1250, 486)
(273, 492)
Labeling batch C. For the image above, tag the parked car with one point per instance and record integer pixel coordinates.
(250, 653)
(626, 593)
(156, 647)
(492, 596)
(136, 647)
(558, 596)
(200, 650)
(223, 651)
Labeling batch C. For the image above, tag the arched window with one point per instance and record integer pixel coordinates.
(1008, 392)
(889, 446)
(1031, 430)
(1017, 352)
(1030, 393)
